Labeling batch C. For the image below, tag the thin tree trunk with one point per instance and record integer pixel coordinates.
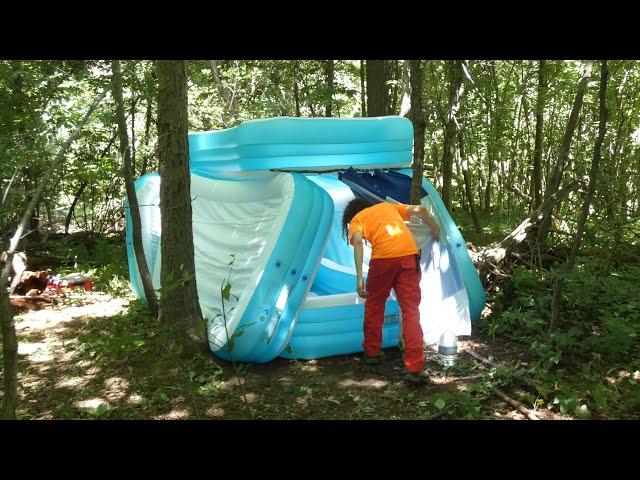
(556, 177)
(296, 90)
(329, 74)
(226, 93)
(9, 338)
(595, 164)
(376, 88)
(8, 187)
(134, 209)
(456, 89)
(133, 135)
(179, 307)
(72, 208)
(147, 127)
(467, 184)
(419, 125)
(363, 93)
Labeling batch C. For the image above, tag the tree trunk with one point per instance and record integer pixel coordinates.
(296, 90)
(329, 74)
(9, 338)
(456, 89)
(376, 88)
(419, 125)
(179, 307)
(556, 176)
(363, 92)
(147, 127)
(595, 164)
(467, 184)
(134, 209)
(133, 133)
(8, 187)
(72, 208)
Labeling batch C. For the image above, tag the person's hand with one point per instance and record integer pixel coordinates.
(362, 292)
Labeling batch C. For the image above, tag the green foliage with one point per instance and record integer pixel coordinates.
(129, 333)
(461, 405)
(598, 333)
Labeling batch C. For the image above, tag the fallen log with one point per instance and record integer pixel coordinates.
(32, 302)
(32, 281)
(514, 403)
(488, 260)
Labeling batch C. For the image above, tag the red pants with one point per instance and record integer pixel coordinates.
(403, 275)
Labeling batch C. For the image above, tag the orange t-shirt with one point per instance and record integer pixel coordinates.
(383, 226)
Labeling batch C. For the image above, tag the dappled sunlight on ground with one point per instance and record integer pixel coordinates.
(366, 383)
(89, 361)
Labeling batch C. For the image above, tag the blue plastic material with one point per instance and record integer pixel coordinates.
(270, 314)
(299, 249)
(304, 144)
(324, 332)
(382, 184)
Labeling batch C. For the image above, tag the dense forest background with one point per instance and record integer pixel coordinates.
(555, 142)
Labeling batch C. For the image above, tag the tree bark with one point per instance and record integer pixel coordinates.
(415, 115)
(467, 184)
(556, 176)
(147, 127)
(456, 89)
(9, 338)
(363, 92)
(376, 88)
(595, 164)
(179, 307)
(134, 209)
(329, 74)
(296, 90)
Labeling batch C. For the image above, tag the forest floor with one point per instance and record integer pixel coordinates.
(96, 356)
(99, 355)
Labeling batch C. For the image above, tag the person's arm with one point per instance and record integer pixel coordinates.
(424, 213)
(358, 254)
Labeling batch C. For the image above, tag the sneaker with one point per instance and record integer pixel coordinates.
(377, 360)
(416, 378)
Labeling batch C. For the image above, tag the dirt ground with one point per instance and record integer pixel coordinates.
(85, 358)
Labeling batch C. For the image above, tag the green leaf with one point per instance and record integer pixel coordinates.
(226, 291)
(440, 404)
(102, 409)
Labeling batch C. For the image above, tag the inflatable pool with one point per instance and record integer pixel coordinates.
(266, 233)
(278, 236)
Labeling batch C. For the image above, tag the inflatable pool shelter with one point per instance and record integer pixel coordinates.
(268, 200)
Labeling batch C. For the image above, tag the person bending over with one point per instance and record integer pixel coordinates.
(395, 263)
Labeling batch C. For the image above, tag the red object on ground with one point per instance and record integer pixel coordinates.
(403, 275)
(58, 283)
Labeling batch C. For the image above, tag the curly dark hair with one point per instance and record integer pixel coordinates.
(351, 210)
